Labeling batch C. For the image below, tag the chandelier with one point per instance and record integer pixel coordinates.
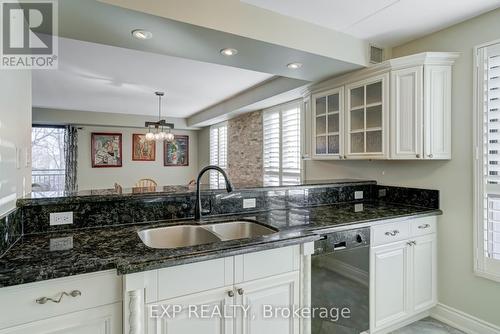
(160, 130)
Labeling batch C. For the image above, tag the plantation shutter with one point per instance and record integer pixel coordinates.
(218, 153)
(282, 145)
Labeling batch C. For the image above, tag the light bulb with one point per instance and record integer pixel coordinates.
(157, 136)
(169, 136)
(150, 136)
(163, 135)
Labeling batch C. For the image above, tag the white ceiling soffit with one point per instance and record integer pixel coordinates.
(96, 77)
(385, 22)
(112, 25)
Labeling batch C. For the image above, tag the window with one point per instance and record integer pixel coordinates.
(48, 163)
(282, 144)
(487, 164)
(218, 153)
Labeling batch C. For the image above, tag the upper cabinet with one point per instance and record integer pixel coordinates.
(399, 109)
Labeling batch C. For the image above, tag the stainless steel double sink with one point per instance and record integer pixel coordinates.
(191, 235)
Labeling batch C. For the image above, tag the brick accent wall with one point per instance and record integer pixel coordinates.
(244, 154)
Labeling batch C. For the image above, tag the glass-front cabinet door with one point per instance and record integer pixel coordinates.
(327, 124)
(366, 132)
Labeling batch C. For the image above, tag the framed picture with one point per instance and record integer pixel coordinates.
(176, 153)
(142, 149)
(106, 149)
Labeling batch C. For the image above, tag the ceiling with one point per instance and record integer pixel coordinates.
(384, 22)
(96, 77)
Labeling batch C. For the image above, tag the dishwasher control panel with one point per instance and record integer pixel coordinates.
(342, 240)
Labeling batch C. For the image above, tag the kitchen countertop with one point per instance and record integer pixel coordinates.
(96, 249)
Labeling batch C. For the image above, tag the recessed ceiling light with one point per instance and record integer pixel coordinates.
(294, 66)
(142, 34)
(228, 52)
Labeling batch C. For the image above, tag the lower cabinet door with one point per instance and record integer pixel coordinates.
(208, 312)
(99, 320)
(424, 273)
(389, 284)
(266, 305)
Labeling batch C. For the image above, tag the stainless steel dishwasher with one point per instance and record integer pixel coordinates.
(340, 282)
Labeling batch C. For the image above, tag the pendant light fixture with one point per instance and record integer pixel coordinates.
(160, 130)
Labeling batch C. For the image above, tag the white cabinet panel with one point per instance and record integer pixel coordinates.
(279, 291)
(99, 320)
(389, 286)
(407, 113)
(437, 112)
(424, 272)
(191, 319)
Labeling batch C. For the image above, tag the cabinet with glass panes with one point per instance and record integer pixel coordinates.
(366, 133)
(327, 124)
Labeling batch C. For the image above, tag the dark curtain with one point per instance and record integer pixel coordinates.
(71, 155)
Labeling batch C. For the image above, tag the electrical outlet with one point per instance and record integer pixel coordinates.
(249, 203)
(61, 218)
(358, 195)
(358, 207)
(59, 244)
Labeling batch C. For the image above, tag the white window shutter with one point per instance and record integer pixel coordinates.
(218, 153)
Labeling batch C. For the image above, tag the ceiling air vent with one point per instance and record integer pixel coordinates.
(376, 54)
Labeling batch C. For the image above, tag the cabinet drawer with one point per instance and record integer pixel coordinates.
(19, 302)
(390, 232)
(267, 263)
(194, 277)
(423, 226)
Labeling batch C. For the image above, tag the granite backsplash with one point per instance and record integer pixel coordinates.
(11, 229)
(141, 209)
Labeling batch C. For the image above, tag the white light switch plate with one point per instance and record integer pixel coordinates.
(358, 195)
(249, 203)
(61, 218)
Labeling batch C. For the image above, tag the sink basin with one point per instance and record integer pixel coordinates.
(191, 235)
(239, 230)
(177, 236)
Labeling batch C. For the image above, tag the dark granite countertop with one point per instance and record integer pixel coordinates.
(98, 195)
(31, 259)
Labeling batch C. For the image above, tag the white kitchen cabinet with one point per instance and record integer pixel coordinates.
(277, 291)
(328, 124)
(193, 316)
(366, 113)
(403, 273)
(407, 113)
(98, 320)
(269, 277)
(391, 279)
(81, 304)
(437, 112)
(398, 109)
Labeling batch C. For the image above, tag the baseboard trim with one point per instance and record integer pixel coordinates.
(463, 321)
(401, 324)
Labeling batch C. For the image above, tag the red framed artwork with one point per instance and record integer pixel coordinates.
(176, 153)
(106, 149)
(142, 149)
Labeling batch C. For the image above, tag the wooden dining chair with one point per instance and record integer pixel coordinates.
(146, 183)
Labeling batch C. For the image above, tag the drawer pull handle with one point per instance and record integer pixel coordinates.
(43, 300)
(241, 291)
(411, 243)
(424, 226)
(230, 293)
(392, 233)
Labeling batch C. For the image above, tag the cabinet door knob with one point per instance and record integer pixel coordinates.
(230, 293)
(241, 291)
(430, 156)
(418, 155)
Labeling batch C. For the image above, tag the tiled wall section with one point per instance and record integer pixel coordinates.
(10, 229)
(151, 208)
(244, 153)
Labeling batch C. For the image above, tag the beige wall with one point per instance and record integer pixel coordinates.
(244, 153)
(132, 171)
(458, 287)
